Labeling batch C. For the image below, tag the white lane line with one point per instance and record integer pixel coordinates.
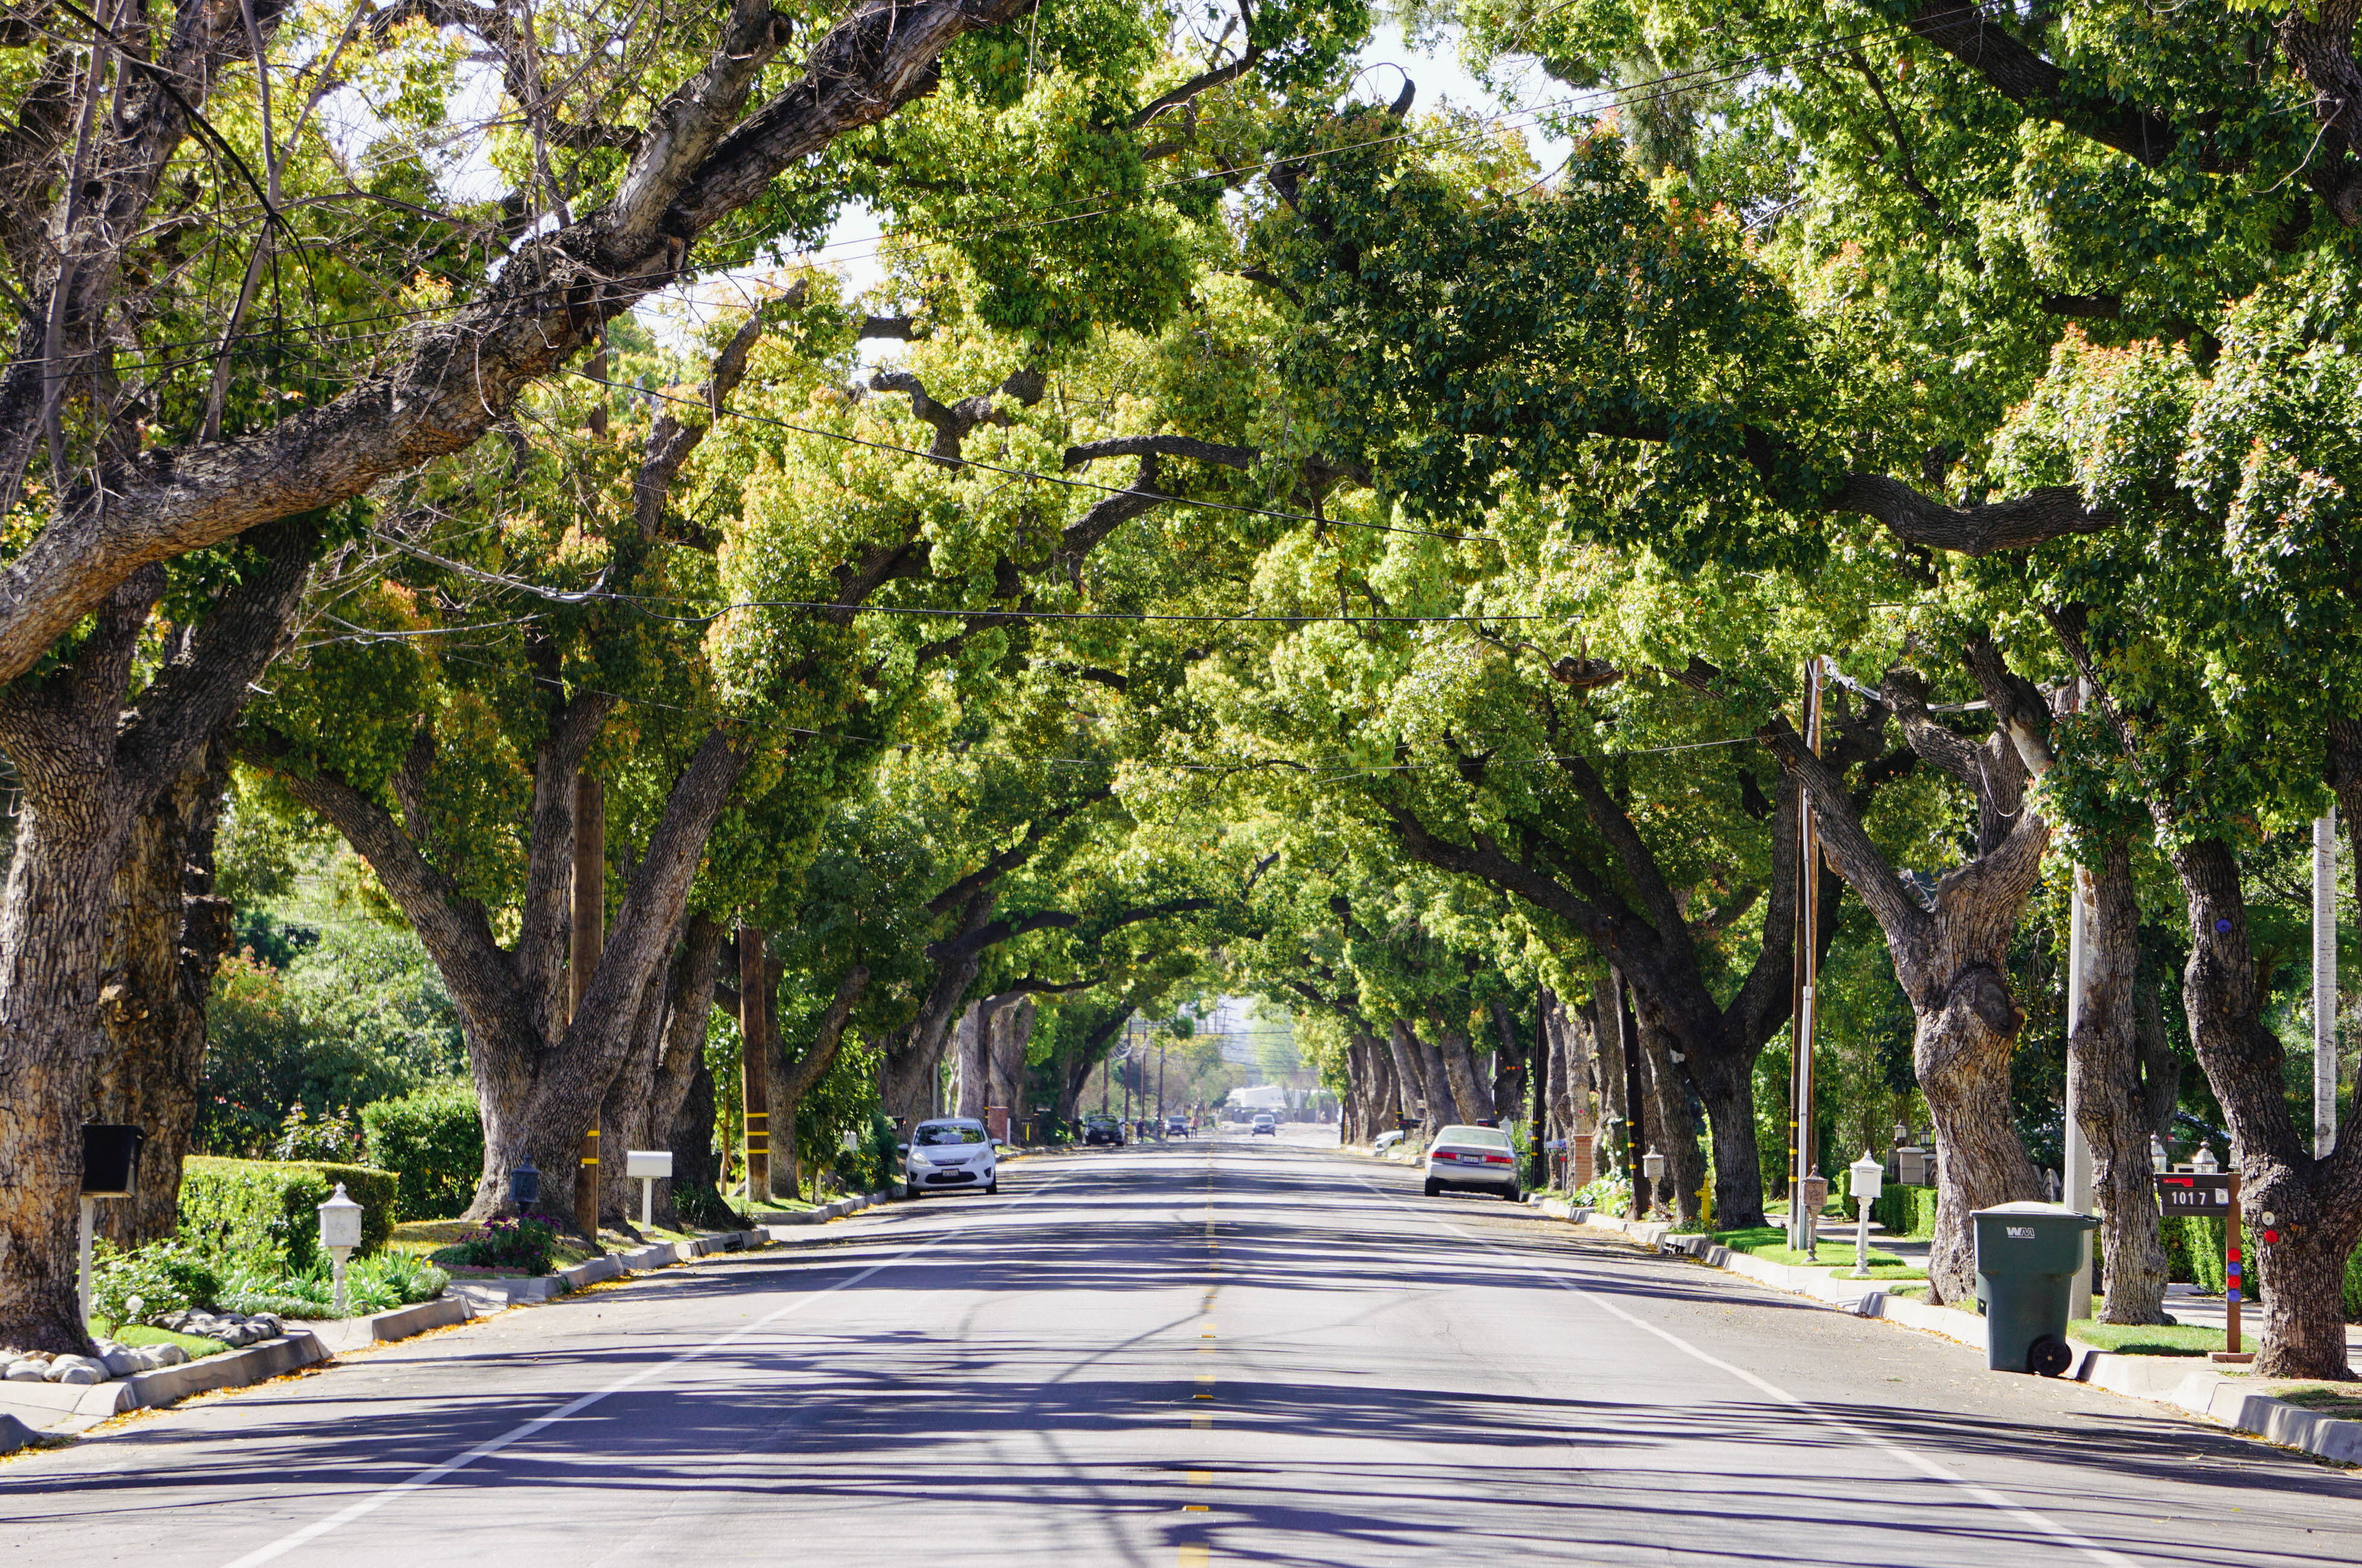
(434, 1473)
(1998, 1501)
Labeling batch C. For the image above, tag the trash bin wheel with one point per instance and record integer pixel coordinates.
(2050, 1355)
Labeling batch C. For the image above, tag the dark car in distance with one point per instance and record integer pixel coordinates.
(1102, 1130)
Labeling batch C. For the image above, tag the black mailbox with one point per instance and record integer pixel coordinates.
(525, 1186)
(110, 1159)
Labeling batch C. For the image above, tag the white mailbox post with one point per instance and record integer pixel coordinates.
(647, 1165)
(340, 1233)
(1869, 1174)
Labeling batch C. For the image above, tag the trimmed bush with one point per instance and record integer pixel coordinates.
(1905, 1210)
(241, 1211)
(162, 1276)
(433, 1142)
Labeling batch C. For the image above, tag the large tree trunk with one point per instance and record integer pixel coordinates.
(1952, 959)
(2316, 1205)
(696, 1164)
(1672, 1129)
(1410, 1074)
(1510, 1062)
(1615, 1098)
(89, 767)
(682, 1054)
(1010, 1034)
(1471, 1101)
(968, 1062)
(2103, 1074)
(169, 934)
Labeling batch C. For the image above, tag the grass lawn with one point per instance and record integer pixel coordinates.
(2135, 1339)
(2344, 1403)
(139, 1334)
(1769, 1242)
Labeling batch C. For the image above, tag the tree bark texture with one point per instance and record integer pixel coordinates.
(1510, 1062)
(2103, 1074)
(1615, 1095)
(588, 934)
(680, 1055)
(1673, 1128)
(167, 936)
(1471, 1100)
(1410, 1076)
(90, 764)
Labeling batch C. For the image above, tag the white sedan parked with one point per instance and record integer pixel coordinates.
(951, 1152)
(1475, 1157)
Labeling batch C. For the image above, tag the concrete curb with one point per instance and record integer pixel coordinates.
(384, 1328)
(488, 1295)
(2180, 1381)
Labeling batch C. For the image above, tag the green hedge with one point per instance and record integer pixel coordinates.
(1905, 1210)
(239, 1210)
(2193, 1254)
(434, 1142)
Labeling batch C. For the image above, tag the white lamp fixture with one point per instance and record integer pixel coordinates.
(2203, 1162)
(647, 1165)
(340, 1233)
(1868, 1174)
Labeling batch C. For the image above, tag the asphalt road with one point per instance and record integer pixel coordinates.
(1224, 1351)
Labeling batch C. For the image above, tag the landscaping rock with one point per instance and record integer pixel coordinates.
(76, 1376)
(120, 1361)
(27, 1372)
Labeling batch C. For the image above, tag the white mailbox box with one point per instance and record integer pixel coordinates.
(647, 1165)
(340, 1233)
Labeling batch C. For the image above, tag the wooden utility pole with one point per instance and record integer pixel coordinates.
(1805, 969)
(589, 937)
(753, 1061)
(1635, 1095)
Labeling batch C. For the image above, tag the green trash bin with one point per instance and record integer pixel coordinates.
(2027, 1257)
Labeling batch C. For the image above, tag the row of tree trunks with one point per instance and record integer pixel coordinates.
(1471, 1099)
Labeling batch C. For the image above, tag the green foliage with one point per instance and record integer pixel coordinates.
(1906, 1212)
(527, 1243)
(433, 1142)
(162, 1276)
(379, 1283)
(267, 1212)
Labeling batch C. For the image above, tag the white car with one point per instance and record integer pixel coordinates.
(951, 1152)
(1266, 1124)
(1474, 1158)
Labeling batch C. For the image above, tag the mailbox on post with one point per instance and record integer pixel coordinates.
(648, 1166)
(340, 1233)
(110, 1167)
